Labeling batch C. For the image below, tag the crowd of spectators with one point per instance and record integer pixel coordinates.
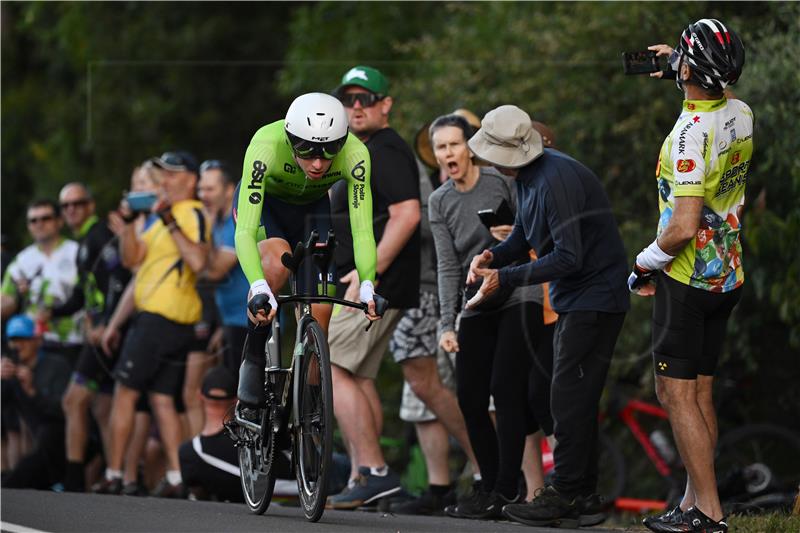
(124, 342)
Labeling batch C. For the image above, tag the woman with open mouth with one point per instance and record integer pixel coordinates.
(493, 358)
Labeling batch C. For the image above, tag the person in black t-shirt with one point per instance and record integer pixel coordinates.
(101, 281)
(356, 355)
(209, 461)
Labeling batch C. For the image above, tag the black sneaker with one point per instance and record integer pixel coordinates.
(591, 510)
(134, 489)
(692, 520)
(165, 489)
(487, 506)
(428, 504)
(108, 486)
(548, 508)
(453, 509)
(654, 523)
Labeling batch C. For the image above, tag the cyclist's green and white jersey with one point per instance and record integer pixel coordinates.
(270, 168)
(708, 154)
(51, 279)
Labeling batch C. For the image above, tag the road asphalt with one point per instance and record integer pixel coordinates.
(28, 511)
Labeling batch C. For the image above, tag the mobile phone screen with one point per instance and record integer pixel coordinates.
(141, 201)
(488, 218)
(643, 62)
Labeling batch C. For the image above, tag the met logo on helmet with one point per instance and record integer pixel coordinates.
(319, 138)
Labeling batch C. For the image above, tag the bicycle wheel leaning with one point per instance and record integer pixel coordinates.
(758, 468)
(313, 442)
(256, 456)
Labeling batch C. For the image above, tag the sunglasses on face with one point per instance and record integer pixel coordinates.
(315, 150)
(75, 203)
(675, 60)
(365, 99)
(43, 218)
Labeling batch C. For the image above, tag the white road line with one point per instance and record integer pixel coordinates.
(14, 528)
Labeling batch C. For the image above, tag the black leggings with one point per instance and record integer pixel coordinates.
(495, 358)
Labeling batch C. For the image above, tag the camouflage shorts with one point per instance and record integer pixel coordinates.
(412, 409)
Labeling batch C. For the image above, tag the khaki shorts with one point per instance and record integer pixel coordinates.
(358, 351)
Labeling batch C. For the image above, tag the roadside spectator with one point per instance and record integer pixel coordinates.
(11, 445)
(217, 184)
(198, 360)
(355, 355)
(168, 254)
(209, 461)
(564, 215)
(101, 281)
(43, 275)
(428, 399)
(38, 381)
(694, 265)
(144, 178)
(493, 357)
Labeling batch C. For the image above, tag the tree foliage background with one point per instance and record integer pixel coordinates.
(91, 89)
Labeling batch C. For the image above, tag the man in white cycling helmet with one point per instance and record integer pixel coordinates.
(288, 168)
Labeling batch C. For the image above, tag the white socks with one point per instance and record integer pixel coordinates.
(174, 477)
(380, 472)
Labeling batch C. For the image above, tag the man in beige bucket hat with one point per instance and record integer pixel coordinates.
(564, 214)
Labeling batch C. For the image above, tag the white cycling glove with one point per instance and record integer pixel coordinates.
(653, 257)
(260, 286)
(366, 293)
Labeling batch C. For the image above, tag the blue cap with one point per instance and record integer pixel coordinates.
(20, 327)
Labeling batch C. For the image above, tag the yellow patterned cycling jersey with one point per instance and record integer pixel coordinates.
(707, 154)
(165, 285)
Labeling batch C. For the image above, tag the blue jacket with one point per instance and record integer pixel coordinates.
(564, 214)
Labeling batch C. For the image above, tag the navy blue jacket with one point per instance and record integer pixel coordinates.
(564, 214)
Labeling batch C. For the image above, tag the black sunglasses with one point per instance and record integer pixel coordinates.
(315, 150)
(365, 99)
(75, 203)
(43, 218)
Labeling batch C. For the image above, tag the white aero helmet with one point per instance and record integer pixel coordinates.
(316, 126)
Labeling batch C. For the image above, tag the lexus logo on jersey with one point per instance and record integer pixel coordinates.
(685, 165)
(735, 158)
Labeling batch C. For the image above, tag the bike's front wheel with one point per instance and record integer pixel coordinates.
(256, 460)
(313, 443)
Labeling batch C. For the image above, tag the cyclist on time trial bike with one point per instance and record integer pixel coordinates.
(288, 169)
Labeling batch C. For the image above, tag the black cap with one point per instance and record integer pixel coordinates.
(218, 379)
(177, 161)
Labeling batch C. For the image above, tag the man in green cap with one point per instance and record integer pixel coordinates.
(356, 356)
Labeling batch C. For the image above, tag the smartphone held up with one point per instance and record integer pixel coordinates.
(141, 202)
(642, 62)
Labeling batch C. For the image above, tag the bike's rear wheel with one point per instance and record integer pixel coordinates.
(256, 461)
(313, 443)
(758, 467)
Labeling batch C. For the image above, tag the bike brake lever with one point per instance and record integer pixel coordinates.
(381, 305)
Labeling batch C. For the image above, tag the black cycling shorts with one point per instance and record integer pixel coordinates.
(293, 223)
(154, 355)
(94, 369)
(689, 328)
